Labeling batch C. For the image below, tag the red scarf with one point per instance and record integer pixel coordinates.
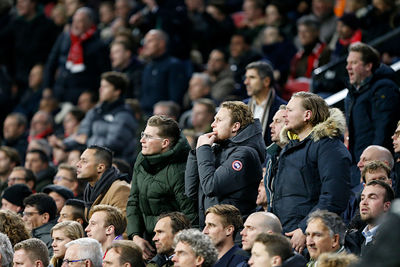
(75, 55)
(356, 37)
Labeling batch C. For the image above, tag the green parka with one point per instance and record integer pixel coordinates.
(158, 186)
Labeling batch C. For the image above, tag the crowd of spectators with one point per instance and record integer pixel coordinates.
(194, 133)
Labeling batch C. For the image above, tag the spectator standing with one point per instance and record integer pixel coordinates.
(14, 133)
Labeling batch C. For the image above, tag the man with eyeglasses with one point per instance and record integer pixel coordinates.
(158, 181)
(39, 217)
(31, 253)
(22, 175)
(83, 252)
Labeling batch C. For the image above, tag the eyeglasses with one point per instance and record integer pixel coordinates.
(147, 137)
(59, 178)
(29, 214)
(67, 262)
(14, 179)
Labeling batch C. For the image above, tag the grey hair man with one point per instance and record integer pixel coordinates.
(6, 251)
(325, 233)
(86, 250)
(31, 253)
(257, 223)
(193, 248)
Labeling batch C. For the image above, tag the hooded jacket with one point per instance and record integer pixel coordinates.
(228, 172)
(372, 111)
(158, 187)
(313, 174)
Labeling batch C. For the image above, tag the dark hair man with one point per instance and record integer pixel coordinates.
(264, 101)
(9, 158)
(111, 123)
(317, 155)
(223, 222)
(39, 214)
(13, 197)
(158, 180)
(14, 133)
(167, 226)
(22, 175)
(38, 162)
(370, 85)
(106, 185)
(229, 171)
(73, 210)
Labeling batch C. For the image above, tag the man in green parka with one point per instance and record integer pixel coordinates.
(158, 181)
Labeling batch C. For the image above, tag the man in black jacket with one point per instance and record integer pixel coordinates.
(225, 168)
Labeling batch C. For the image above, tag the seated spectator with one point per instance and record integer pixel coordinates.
(22, 175)
(61, 234)
(106, 224)
(123, 59)
(241, 54)
(85, 250)
(338, 260)
(6, 251)
(313, 53)
(168, 109)
(73, 210)
(123, 253)
(221, 77)
(77, 59)
(9, 158)
(194, 248)
(87, 100)
(38, 162)
(41, 125)
(30, 99)
(199, 87)
(14, 133)
(111, 123)
(59, 193)
(376, 170)
(13, 226)
(274, 250)
(164, 77)
(261, 201)
(13, 198)
(167, 226)
(31, 252)
(66, 176)
(39, 214)
(325, 233)
(200, 117)
(222, 224)
(257, 223)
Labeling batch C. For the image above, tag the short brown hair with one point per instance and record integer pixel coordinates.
(368, 54)
(229, 214)
(168, 128)
(373, 166)
(179, 221)
(119, 80)
(389, 193)
(208, 103)
(12, 154)
(316, 104)
(114, 217)
(70, 169)
(240, 112)
(128, 252)
(275, 245)
(36, 249)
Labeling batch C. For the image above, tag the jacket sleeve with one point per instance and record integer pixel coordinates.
(232, 175)
(191, 176)
(186, 205)
(385, 111)
(85, 127)
(52, 63)
(119, 197)
(334, 172)
(133, 213)
(121, 132)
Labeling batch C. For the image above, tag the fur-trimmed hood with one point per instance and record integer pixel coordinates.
(334, 126)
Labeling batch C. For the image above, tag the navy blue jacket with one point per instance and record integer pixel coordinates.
(164, 78)
(372, 112)
(276, 103)
(228, 172)
(232, 258)
(313, 174)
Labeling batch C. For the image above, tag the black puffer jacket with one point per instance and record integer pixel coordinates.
(227, 173)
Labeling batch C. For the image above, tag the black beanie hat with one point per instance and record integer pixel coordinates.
(16, 194)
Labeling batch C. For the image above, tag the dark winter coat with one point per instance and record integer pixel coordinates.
(372, 112)
(313, 174)
(158, 187)
(228, 172)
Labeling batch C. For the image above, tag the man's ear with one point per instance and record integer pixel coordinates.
(307, 115)
(235, 127)
(229, 230)
(39, 263)
(276, 261)
(45, 217)
(101, 167)
(165, 143)
(199, 261)
(110, 230)
(335, 241)
(267, 82)
(386, 206)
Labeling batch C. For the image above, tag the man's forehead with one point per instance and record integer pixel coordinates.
(373, 189)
